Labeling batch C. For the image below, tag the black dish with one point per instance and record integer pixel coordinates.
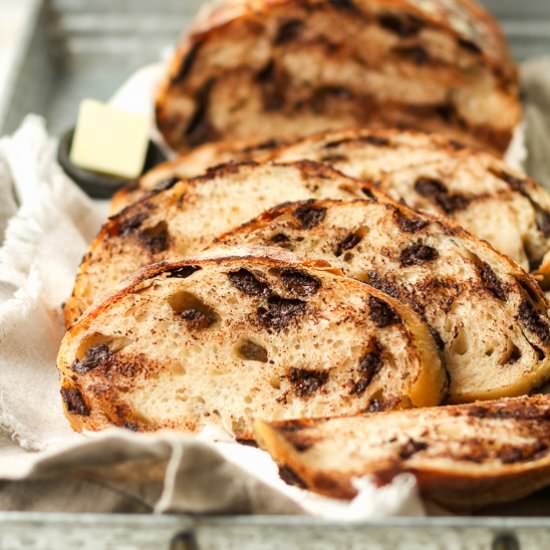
(96, 184)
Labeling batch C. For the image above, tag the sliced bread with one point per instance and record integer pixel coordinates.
(186, 216)
(488, 315)
(464, 457)
(222, 341)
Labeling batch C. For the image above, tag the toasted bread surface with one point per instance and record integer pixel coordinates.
(224, 340)
(489, 316)
(464, 457)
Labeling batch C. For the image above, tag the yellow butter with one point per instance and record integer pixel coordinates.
(109, 140)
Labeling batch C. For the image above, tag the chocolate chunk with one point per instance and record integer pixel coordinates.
(187, 63)
(324, 96)
(334, 158)
(246, 282)
(437, 190)
(429, 187)
(310, 216)
(183, 272)
(306, 382)
(452, 203)
(469, 45)
(409, 224)
(369, 194)
(251, 351)
(264, 145)
(273, 83)
(491, 281)
(349, 242)
(280, 239)
(200, 130)
(377, 141)
(381, 314)
(385, 285)
(131, 224)
(533, 321)
(543, 221)
(167, 183)
(198, 319)
(96, 356)
(280, 312)
(417, 254)
(511, 455)
(344, 5)
(156, 238)
(456, 145)
(288, 475)
(417, 54)
(288, 31)
(411, 448)
(299, 282)
(369, 365)
(516, 184)
(404, 25)
(74, 401)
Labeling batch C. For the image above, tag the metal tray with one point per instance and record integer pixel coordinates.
(75, 48)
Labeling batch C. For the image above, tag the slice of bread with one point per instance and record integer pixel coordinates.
(222, 341)
(186, 216)
(427, 172)
(464, 457)
(261, 69)
(489, 316)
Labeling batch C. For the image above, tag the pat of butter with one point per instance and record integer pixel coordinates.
(109, 140)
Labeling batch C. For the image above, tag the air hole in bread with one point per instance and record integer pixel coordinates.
(196, 314)
(155, 238)
(251, 351)
(97, 350)
(183, 272)
(459, 345)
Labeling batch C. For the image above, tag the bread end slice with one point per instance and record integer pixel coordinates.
(464, 457)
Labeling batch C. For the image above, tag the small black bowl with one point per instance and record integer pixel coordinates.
(96, 184)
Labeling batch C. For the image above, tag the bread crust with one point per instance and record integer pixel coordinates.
(96, 396)
(464, 457)
(463, 21)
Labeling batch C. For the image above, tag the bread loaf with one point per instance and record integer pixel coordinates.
(225, 340)
(262, 69)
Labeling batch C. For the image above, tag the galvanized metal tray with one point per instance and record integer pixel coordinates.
(76, 48)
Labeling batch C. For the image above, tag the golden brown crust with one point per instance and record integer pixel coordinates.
(464, 457)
